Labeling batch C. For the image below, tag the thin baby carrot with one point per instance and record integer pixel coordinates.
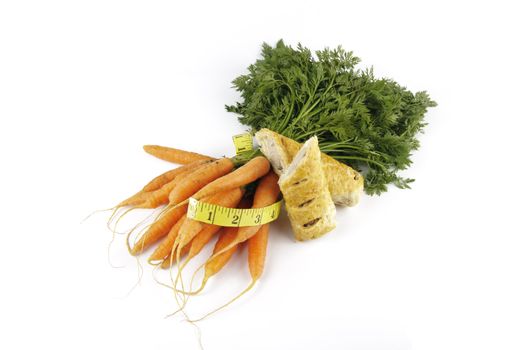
(200, 178)
(266, 194)
(174, 155)
(191, 228)
(165, 246)
(196, 244)
(136, 199)
(160, 196)
(159, 229)
(170, 259)
(217, 261)
(257, 251)
(249, 172)
(158, 182)
(169, 175)
(202, 238)
(256, 256)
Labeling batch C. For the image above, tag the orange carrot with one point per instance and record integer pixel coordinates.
(158, 182)
(159, 197)
(165, 246)
(266, 194)
(202, 238)
(199, 178)
(215, 264)
(171, 259)
(191, 228)
(166, 177)
(257, 251)
(249, 172)
(256, 256)
(136, 199)
(196, 244)
(174, 155)
(159, 229)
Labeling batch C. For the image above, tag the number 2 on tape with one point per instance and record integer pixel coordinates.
(232, 217)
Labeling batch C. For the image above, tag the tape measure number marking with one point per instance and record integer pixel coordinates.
(232, 217)
(243, 142)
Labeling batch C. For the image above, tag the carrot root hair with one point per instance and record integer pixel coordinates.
(184, 299)
(112, 216)
(96, 212)
(114, 229)
(176, 247)
(141, 232)
(246, 290)
(110, 244)
(140, 273)
(159, 282)
(198, 290)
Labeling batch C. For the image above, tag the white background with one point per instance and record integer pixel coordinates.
(84, 84)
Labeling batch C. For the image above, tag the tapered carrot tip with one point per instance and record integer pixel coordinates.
(136, 250)
(174, 155)
(165, 247)
(136, 199)
(172, 260)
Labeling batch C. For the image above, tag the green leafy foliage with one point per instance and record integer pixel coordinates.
(368, 123)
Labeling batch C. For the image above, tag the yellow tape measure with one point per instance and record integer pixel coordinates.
(243, 142)
(232, 217)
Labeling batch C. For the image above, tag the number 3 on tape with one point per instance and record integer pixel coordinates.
(232, 217)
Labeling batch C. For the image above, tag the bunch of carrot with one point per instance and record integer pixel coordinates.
(217, 181)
